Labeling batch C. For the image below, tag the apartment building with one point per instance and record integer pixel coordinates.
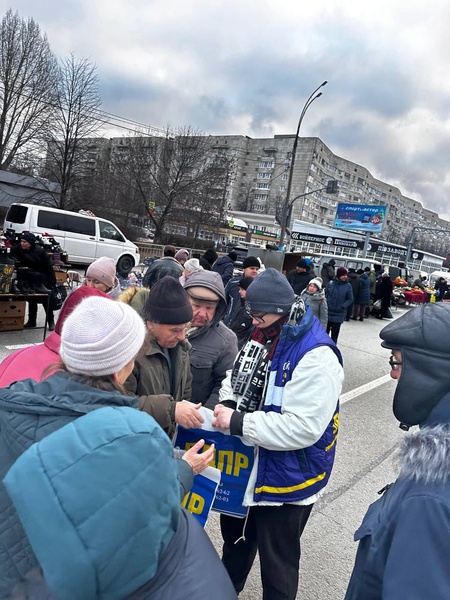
(259, 177)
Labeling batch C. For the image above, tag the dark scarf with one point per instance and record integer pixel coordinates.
(251, 367)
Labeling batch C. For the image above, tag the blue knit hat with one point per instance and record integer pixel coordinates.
(270, 292)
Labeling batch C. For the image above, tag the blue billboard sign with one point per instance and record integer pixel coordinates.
(360, 217)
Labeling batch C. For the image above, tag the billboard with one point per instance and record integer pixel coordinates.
(360, 217)
(326, 239)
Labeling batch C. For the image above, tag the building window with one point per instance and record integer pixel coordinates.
(263, 186)
(266, 164)
(264, 175)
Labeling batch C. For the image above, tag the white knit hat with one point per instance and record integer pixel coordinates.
(100, 337)
(317, 281)
(103, 269)
(191, 264)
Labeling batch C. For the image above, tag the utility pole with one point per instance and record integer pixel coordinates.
(330, 188)
(285, 212)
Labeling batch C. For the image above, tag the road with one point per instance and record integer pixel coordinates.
(364, 462)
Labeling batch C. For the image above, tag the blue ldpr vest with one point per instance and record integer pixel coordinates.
(293, 475)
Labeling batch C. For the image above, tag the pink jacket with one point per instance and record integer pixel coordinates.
(29, 363)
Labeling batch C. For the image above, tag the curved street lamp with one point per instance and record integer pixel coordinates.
(287, 203)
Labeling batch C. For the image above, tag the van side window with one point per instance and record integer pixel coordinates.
(51, 220)
(64, 222)
(80, 225)
(109, 232)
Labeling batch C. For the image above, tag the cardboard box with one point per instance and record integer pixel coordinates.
(11, 323)
(61, 276)
(12, 309)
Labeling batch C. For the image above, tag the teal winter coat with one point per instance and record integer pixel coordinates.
(106, 521)
(29, 412)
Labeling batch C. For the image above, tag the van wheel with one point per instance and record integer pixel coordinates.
(124, 265)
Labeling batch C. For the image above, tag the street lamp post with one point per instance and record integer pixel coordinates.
(286, 204)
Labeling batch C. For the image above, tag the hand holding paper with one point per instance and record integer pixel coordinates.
(223, 416)
(187, 415)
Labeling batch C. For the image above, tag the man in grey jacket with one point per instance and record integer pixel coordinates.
(214, 346)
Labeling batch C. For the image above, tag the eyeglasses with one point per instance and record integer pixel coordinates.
(394, 364)
(258, 318)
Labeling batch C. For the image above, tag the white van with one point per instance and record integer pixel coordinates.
(436, 275)
(84, 238)
(349, 262)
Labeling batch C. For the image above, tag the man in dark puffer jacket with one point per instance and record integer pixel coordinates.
(404, 539)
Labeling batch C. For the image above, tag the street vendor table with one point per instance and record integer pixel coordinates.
(416, 297)
(43, 298)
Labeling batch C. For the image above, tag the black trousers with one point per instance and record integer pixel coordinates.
(334, 328)
(273, 531)
(33, 308)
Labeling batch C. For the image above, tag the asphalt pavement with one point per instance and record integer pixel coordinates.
(368, 438)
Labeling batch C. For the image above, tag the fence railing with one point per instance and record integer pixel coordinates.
(156, 250)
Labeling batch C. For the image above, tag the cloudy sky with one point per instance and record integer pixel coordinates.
(247, 67)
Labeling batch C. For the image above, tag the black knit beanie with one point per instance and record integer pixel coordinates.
(251, 261)
(168, 303)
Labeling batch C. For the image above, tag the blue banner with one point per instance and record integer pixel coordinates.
(360, 217)
(232, 457)
(201, 497)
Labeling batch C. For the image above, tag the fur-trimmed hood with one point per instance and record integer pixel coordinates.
(424, 455)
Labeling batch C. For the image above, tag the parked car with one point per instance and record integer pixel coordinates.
(84, 237)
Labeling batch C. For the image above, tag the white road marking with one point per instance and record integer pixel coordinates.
(364, 388)
(18, 346)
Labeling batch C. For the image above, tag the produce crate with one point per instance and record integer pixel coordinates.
(11, 323)
(12, 308)
(61, 276)
(6, 272)
(12, 315)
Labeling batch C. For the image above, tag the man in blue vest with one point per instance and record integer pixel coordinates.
(281, 396)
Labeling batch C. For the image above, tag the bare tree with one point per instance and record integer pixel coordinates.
(76, 120)
(246, 195)
(28, 86)
(205, 208)
(167, 176)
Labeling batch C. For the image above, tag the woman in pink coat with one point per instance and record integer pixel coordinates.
(31, 362)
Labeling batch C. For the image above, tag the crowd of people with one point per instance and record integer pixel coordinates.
(86, 420)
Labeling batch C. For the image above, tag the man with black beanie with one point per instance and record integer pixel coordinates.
(162, 375)
(299, 277)
(251, 267)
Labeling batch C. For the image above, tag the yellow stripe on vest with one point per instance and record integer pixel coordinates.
(332, 444)
(292, 488)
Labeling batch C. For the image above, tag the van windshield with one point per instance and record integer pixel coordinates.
(16, 214)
